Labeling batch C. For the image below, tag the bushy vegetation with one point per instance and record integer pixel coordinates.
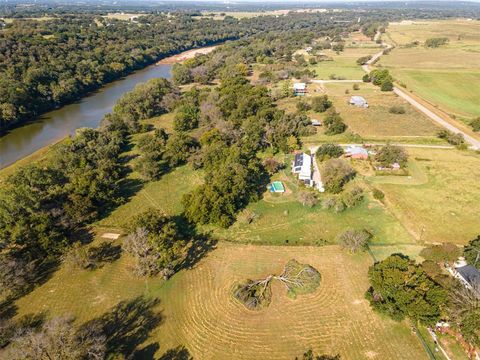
(380, 77)
(402, 289)
(471, 252)
(335, 174)
(388, 155)
(397, 110)
(328, 151)
(436, 42)
(440, 253)
(451, 137)
(321, 103)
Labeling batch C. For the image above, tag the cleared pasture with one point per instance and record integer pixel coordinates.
(198, 311)
(443, 201)
(343, 65)
(448, 76)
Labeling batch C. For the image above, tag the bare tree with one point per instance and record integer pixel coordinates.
(147, 259)
(307, 198)
(14, 275)
(57, 340)
(354, 240)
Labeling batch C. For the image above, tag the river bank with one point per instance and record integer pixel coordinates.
(189, 54)
(25, 141)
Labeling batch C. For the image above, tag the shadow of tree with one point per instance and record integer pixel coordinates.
(147, 352)
(179, 353)
(127, 325)
(104, 253)
(199, 245)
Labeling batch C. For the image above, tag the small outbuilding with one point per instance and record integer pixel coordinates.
(356, 152)
(299, 89)
(358, 101)
(316, 122)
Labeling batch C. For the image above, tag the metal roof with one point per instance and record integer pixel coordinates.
(470, 274)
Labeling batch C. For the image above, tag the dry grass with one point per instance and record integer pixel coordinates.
(199, 312)
(442, 201)
(447, 76)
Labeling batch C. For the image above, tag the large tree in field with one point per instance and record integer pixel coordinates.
(155, 243)
(335, 174)
(400, 288)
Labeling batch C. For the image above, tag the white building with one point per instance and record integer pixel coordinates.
(302, 165)
(358, 101)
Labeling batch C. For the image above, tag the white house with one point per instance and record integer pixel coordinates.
(302, 165)
(299, 89)
(358, 101)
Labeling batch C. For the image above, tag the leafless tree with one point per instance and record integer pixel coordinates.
(146, 259)
(14, 275)
(307, 198)
(354, 240)
(57, 340)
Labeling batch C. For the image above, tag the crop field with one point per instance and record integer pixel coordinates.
(196, 310)
(443, 201)
(447, 76)
(344, 65)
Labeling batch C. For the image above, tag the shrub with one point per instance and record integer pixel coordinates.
(271, 165)
(353, 197)
(329, 151)
(475, 124)
(436, 42)
(397, 110)
(366, 78)
(378, 194)
(307, 198)
(451, 137)
(438, 253)
(302, 106)
(356, 87)
(363, 60)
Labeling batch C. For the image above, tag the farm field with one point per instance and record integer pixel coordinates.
(376, 121)
(447, 76)
(442, 204)
(344, 65)
(195, 308)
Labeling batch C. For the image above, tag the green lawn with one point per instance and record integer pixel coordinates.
(282, 220)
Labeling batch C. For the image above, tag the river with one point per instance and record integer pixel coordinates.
(87, 112)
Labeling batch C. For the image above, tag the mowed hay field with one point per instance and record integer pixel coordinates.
(376, 121)
(442, 202)
(448, 76)
(343, 65)
(198, 311)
